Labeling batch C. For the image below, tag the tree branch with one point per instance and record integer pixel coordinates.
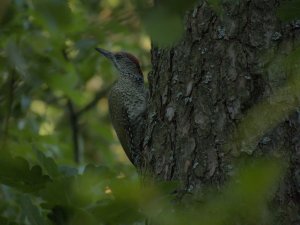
(74, 127)
(101, 94)
(74, 116)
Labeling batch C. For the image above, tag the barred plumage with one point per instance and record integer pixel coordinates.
(127, 102)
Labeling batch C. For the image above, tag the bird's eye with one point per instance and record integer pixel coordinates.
(118, 56)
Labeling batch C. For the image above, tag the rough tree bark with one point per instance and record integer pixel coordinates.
(202, 88)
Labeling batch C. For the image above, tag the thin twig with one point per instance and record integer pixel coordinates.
(101, 94)
(74, 116)
(74, 127)
(73, 121)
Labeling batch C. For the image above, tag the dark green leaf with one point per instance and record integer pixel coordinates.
(48, 164)
(58, 192)
(32, 212)
(15, 172)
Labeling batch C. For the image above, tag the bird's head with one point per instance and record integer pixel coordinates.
(127, 64)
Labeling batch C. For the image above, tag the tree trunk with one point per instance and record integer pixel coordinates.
(204, 89)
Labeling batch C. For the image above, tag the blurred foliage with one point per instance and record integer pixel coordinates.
(164, 22)
(51, 78)
(47, 59)
(267, 114)
(289, 10)
(53, 85)
(50, 194)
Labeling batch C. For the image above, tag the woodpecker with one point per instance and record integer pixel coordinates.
(127, 102)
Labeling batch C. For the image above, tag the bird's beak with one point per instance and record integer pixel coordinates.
(105, 53)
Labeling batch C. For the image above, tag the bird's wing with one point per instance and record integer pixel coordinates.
(129, 133)
(133, 130)
(127, 124)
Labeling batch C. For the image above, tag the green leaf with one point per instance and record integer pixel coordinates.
(15, 172)
(48, 164)
(58, 192)
(32, 212)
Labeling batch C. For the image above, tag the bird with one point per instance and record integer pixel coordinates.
(127, 103)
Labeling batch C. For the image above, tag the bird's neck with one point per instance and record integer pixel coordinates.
(136, 78)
